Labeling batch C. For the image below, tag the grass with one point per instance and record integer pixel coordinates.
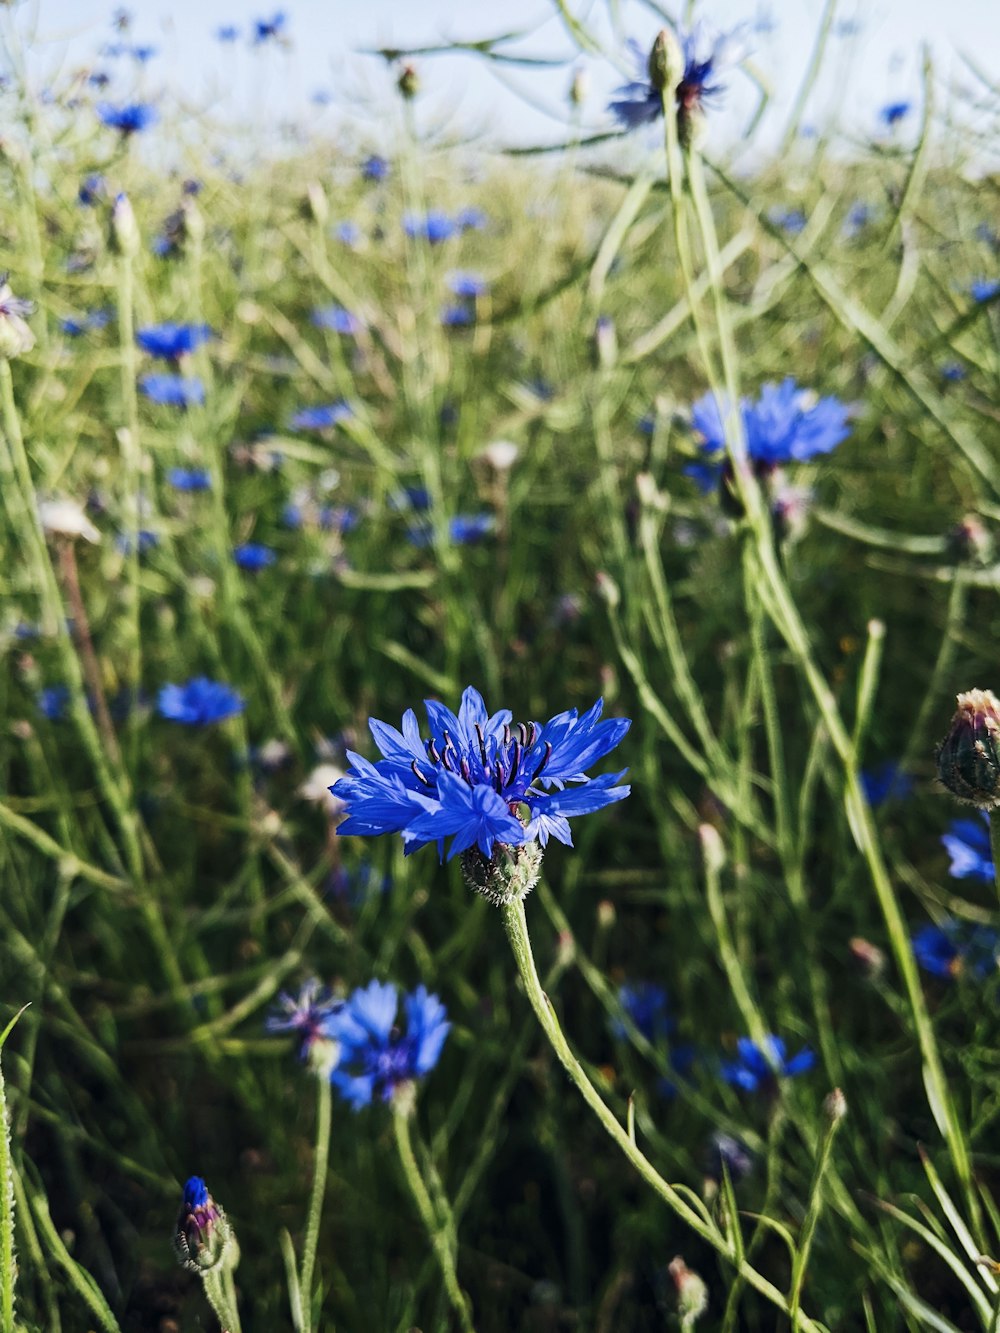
(163, 883)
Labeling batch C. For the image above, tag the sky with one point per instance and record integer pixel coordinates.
(874, 58)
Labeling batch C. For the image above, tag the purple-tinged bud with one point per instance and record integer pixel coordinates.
(203, 1239)
(692, 1294)
(970, 543)
(835, 1106)
(869, 958)
(968, 762)
(408, 81)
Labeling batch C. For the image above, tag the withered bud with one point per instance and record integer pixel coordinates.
(968, 762)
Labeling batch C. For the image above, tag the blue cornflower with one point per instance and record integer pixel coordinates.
(98, 79)
(646, 1004)
(322, 417)
(172, 390)
(967, 842)
(727, 1155)
(984, 289)
(641, 103)
(92, 189)
(887, 782)
(172, 341)
(189, 479)
(307, 1014)
(463, 530)
(228, 32)
(955, 947)
(253, 557)
(756, 1067)
(271, 29)
(953, 371)
(348, 233)
(145, 541)
(143, 54)
(467, 284)
(338, 320)
(785, 424)
(479, 781)
(893, 112)
(792, 220)
(75, 327)
(52, 702)
(374, 168)
(471, 218)
(377, 1058)
(457, 316)
(433, 226)
(339, 518)
(199, 702)
(130, 119)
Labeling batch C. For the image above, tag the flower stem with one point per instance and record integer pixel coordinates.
(517, 933)
(995, 844)
(437, 1232)
(322, 1158)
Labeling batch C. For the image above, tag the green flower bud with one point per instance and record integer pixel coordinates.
(508, 876)
(968, 762)
(692, 1294)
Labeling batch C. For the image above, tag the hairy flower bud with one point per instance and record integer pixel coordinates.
(968, 762)
(508, 876)
(666, 61)
(203, 1239)
(692, 1294)
(835, 1106)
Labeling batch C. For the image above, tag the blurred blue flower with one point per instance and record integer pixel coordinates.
(471, 218)
(228, 32)
(433, 226)
(475, 772)
(98, 79)
(172, 341)
(199, 702)
(726, 1154)
(348, 233)
(308, 1014)
(92, 189)
(75, 327)
(646, 1004)
(957, 946)
(466, 283)
(886, 782)
(377, 1057)
(457, 316)
(785, 424)
(859, 215)
(189, 479)
(145, 541)
(755, 1067)
(463, 530)
(640, 103)
(172, 390)
(265, 30)
(338, 518)
(893, 112)
(130, 119)
(984, 289)
(967, 842)
(253, 557)
(52, 702)
(792, 220)
(953, 372)
(338, 320)
(143, 54)
(322, 417)
(355, 887)
(374, 168)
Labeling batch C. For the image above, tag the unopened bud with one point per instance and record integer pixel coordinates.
(969, 542)
(317, 203)
(869, 957)
(124, 229)
(606, 914)
(608, 589)
(712, 848)
(835, 1106)
(968, 762)
(408, 81)
(579, 87)
(203, 1239)
(605, 342)
(666, 61)
(692, 1294)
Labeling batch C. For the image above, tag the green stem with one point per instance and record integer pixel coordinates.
(517, 933)
(436, 1232)
(218, 1294)
(812, 1216)
(320, 1165)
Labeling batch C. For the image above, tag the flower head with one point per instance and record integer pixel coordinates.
(53, 702)
(957, 946)
(968, 760)
(66, 518)
(129, 119)
(641, 103)
(202, 1236)
(322, 417)
(15, 336)
(189, 479)
(757, 1066)
(479, 780)
(984, 289)
(967, 842)
(467, 284)
(172, 390)
(199, 702)
(433, 227)
(377, 1058)
(646, 1004)
(92, 189)
(893, 112)
(272, 29)
(172, 341)
(374, 168)
(338, 320)
(253, 557)
(888, 782)
(228, 32)
(308, 1014)
(786, 424)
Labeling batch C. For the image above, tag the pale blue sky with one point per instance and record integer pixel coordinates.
(879, 65)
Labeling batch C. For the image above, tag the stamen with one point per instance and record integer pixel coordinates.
(545, 759)
(482, 744)
(522, 731)
(506, 733)
(466, 771)
(446, 760)
(432, 751)
(418, 775)
(498, 777)
(515, 758)
(531, 735)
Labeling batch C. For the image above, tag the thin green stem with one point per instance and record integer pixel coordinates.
(517, 933)
(813, 1210)
(320, 1165)
(437, 1232)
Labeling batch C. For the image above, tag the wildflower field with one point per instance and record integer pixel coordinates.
(480, 769)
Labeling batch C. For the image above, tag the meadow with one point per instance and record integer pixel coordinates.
(294, 442)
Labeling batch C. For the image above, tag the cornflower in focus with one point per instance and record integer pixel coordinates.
(377, 1057)
(199, 702)
(955, 947)
(757, 1067)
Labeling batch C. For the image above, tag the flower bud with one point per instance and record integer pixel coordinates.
(968, 762)
(835, 1106)
(666, 61)
(970, 543)
(579, 87)
(203, 1239)
(692, 1294)
(605, 342)
(869, 958)
(508, 876)
(124, 230)
(408, 81)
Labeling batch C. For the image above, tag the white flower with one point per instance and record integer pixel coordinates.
(65, 518)
(500, 454)
(317, 786)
